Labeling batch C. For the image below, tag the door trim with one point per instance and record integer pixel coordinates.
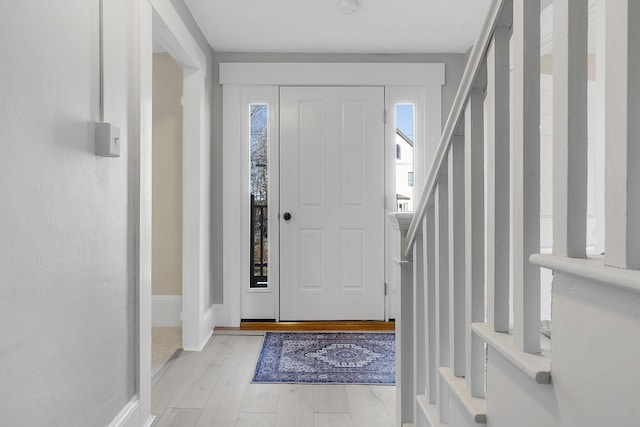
(233, 76)
(170, 31)
(158, 19)
(332, 74)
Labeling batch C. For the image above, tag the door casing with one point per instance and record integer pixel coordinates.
(235, 78)
(159, 20)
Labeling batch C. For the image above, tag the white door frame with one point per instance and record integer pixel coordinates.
(172, 33)
(159, 20)
(233, 76)
(261, 303)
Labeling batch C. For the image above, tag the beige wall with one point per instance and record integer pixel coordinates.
(167, 177)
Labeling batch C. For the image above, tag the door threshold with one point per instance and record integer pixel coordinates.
(351, 325)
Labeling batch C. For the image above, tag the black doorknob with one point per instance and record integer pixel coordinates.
(286, 216)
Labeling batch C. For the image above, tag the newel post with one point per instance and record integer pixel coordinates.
(402, 277)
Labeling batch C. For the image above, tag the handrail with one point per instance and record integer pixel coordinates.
(466, 84)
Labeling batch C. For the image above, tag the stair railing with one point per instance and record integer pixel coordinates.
(476, 228)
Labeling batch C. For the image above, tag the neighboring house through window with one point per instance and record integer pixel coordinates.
(404, 171)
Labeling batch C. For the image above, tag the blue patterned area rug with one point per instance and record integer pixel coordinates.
(327, 358)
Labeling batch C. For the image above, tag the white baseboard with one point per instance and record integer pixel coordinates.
(225, 317)
(206, 330)
(129, 416)
(166, 310)
(208, 323)
(150, 421)
(209, 320)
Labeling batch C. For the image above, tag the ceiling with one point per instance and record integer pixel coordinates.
(318, 26)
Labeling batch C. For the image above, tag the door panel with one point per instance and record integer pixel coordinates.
(332, 184)
(353, 156)
(311, 155)
(311, 252)
(352, 259)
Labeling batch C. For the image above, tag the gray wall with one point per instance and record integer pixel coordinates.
(67, 301)
(453, 69)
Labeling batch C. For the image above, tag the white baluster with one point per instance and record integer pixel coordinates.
(419, 322)
(429, 240)
(456, 214)
(474, 238)
(525, 174)
(497, 176)
(622, 133)
(442, 291)
(570, 128)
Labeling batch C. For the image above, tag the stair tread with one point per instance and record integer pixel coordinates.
(476, 407)
(429, 411)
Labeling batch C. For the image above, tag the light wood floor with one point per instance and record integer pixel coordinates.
(213, 388)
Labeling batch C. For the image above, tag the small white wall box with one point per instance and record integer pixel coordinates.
(107, 140)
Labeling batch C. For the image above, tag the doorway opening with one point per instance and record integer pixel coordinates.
(166, 209)
(160, 26)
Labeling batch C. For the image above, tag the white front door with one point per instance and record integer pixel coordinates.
(332, 192)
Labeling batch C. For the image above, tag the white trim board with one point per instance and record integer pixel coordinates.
(142, 196)
(326, 74)
(172, 33)
(166, 310)
(129, 416)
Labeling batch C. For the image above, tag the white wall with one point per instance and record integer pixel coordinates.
(67, 353)
(68, 224)
(595, 373)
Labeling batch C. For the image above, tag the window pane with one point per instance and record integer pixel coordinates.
(259, 116)
(404, 156)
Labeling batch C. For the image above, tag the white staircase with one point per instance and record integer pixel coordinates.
(463, 360)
